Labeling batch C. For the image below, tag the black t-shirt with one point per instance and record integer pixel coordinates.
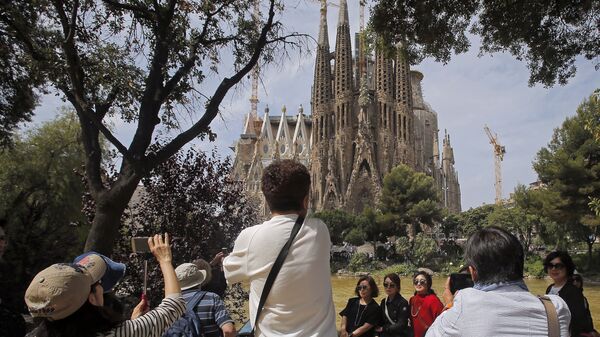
(357, 315)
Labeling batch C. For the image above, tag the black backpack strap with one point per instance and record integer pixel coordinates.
(276, 267)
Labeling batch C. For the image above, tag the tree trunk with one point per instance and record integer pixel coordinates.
(110, 206)
(590, 257)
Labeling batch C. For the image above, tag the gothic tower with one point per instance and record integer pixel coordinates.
(321, 102)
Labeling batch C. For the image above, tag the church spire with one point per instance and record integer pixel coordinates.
(322, 91)
(343, 54)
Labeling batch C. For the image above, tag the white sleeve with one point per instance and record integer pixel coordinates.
(235, 265)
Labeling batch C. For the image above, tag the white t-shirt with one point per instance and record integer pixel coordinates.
(554, 290)
(300, 302)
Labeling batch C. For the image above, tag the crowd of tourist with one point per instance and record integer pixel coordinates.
(285, 262)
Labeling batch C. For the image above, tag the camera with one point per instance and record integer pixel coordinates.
(460, 281)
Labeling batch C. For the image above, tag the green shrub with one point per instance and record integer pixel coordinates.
(402, 269)
(534, 266)
(359, 262)
(355, 236)
(424, 249)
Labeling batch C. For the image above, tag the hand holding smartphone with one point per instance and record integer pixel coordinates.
(460, 281)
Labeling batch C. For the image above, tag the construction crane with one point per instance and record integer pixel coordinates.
(499, 152)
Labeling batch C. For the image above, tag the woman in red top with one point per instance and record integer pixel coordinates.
(425, 306)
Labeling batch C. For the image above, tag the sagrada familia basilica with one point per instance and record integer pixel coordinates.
(367, 116)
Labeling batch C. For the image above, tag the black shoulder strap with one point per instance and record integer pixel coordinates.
(276, 267)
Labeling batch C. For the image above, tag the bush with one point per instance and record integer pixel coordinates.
(424, 248)
(359, 262)
(355, 236)
(402, 269)
(534, 266)
(402, 246)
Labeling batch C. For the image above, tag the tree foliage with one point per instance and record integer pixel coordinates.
(570, 166)
(141, 62)
(475, 219)
(339, 224)
(547, 35)
(190, 198)
(40, 200)
(410, 198)
(424, 249)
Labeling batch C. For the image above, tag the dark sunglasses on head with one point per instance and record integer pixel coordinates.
(389, 285)
(420, 282)
(555, 265)
(359, 288)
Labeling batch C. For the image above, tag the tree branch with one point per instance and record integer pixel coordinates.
(212, 108)
(137, 10)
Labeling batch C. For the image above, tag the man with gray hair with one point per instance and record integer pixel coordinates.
(205, 309)
(499, 304)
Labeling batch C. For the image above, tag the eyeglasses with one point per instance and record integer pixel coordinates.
(388, 285)
(420, 282)
(359, 288)
(555, 265)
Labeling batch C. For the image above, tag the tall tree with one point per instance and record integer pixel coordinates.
(410, 198)
(144, 62)
(40, 200)
(189, 197)
(541, 205)
(514, 219)
(338, 222)
(474, 219)
(548, 35)
(570, 165)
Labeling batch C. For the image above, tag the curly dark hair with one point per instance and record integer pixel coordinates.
(285, 184)
(564, 257)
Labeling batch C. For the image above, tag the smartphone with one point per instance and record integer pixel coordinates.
(224, 250)
(460, 281)
(140, 244)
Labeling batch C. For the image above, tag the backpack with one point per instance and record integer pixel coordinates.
(189, 324)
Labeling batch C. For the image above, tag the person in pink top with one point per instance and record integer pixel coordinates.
(425, 306)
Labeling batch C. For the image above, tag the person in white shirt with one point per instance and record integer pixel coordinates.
(499, 304)
(300, 302)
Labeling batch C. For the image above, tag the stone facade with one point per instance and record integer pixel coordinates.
(367, 116)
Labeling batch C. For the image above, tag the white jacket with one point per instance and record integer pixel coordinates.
(300, 302)
(509, 311)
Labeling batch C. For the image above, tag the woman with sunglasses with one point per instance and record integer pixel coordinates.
(394, 309)
(361, 314)
(425, 306)
(560, 268)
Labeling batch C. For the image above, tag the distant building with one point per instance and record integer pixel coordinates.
(367, 116)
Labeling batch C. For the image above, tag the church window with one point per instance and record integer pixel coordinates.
(265, 148)
(282, 148)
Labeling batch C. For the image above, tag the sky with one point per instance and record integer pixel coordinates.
(466, 93)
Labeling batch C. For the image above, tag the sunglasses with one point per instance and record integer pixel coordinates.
(388, 285)
(555, 265)
(420, 282)
(359, 288)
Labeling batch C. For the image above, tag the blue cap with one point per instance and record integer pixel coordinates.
(114, 270)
